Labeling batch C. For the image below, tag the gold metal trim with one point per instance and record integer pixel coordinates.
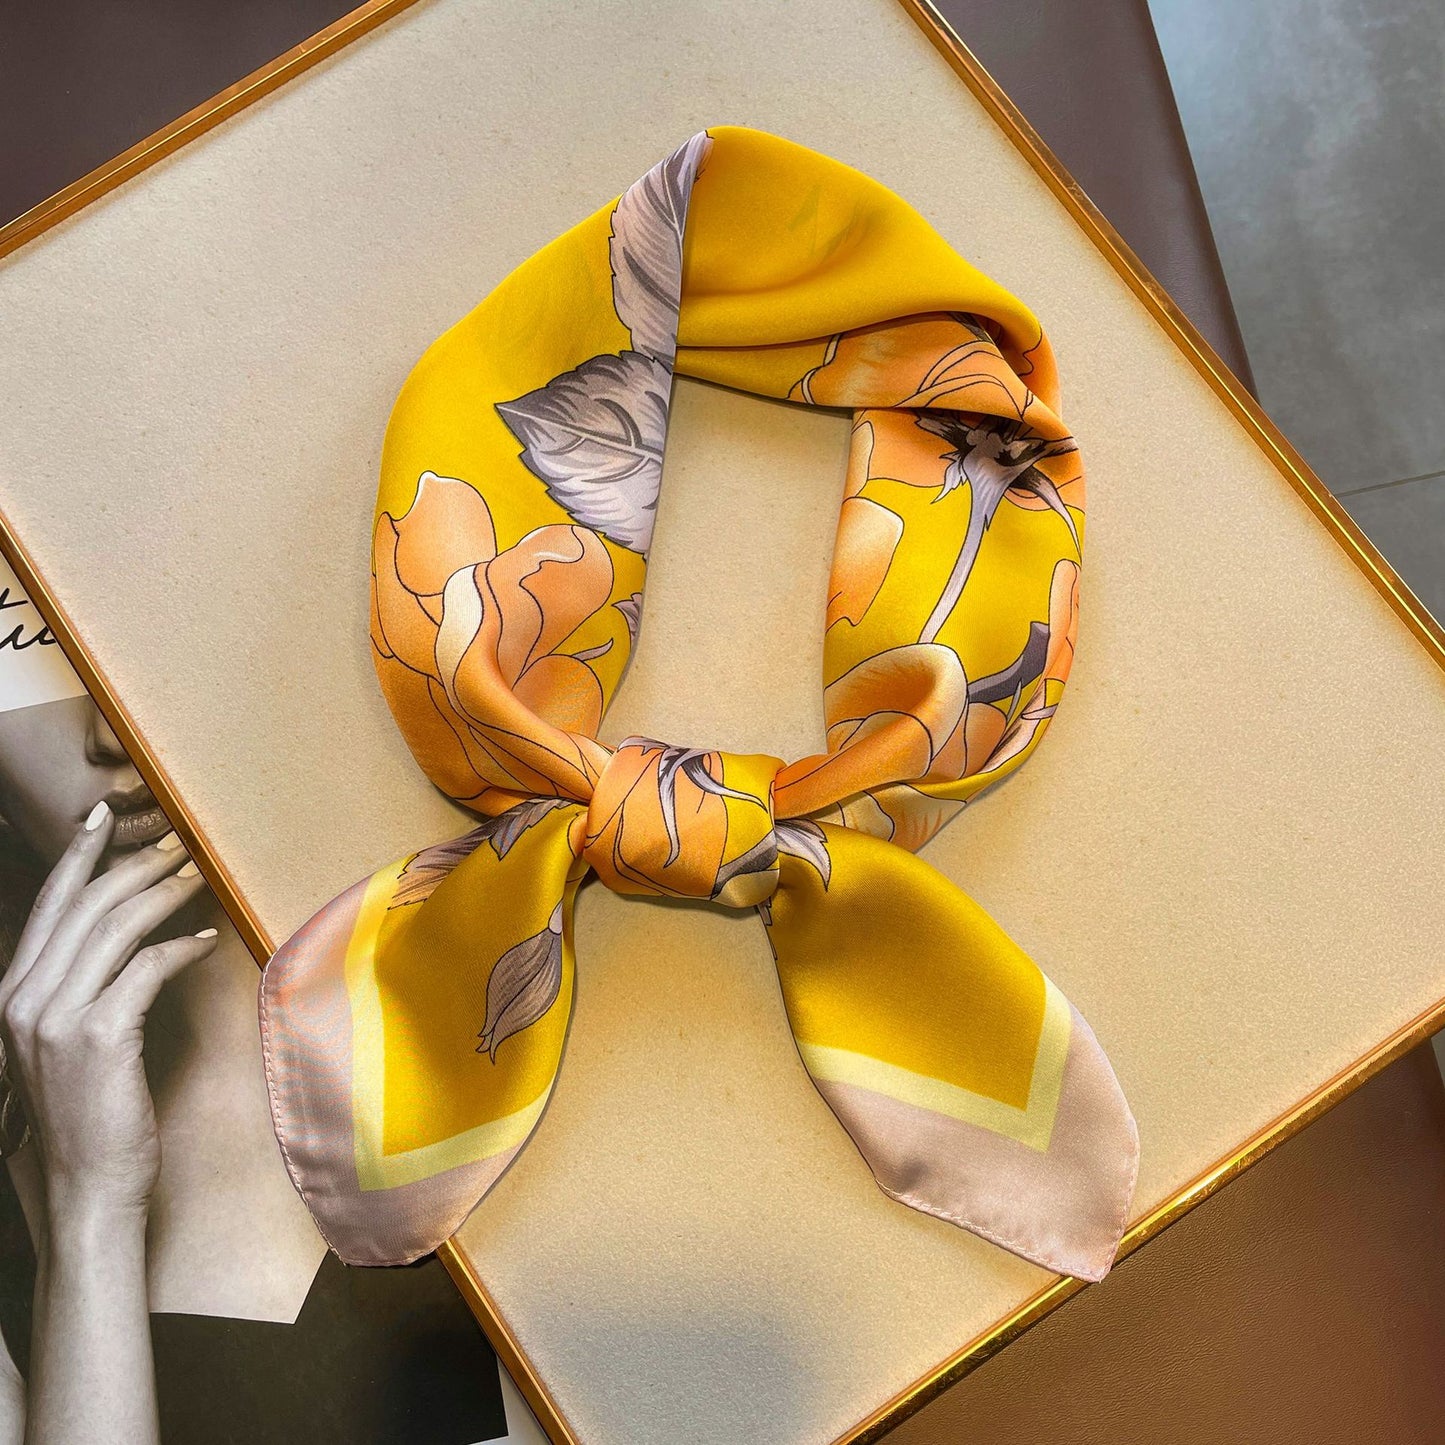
(504, 1342)
(1156, 301)
(118, 716)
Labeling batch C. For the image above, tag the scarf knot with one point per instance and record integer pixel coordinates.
(684, 822)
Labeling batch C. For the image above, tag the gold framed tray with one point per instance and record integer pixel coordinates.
(1249, 709)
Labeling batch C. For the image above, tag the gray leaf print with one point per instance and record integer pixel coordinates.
(692, 764)
(504, 830)
(423, 871)
(595, 436)
(762, 857)
(631, 610)
(524, 984)
(802, 839)
(1007, 686)
(995, 457)
(646, 249)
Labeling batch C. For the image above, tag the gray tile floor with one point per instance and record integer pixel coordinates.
(1318, 131)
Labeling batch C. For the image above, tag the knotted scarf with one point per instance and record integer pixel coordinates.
(414, 1027)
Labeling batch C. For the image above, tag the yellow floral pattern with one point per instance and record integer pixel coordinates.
(519, 489)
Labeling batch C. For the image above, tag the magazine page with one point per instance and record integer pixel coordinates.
(259, 1334)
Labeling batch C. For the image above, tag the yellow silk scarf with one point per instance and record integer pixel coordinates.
(414, 1028)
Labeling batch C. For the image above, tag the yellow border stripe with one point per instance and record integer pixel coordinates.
(1032, 1125)
(486, 1141)
(375, 1169)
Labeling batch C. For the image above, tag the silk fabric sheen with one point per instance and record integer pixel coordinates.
(413, 1029)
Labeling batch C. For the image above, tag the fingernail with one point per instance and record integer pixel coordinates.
(189, 871)
(206, 933)
(98, 815)
(170, 842)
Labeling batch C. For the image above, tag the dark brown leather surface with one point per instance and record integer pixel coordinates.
(1089, 76)
(83, 80)
(1302, 1305)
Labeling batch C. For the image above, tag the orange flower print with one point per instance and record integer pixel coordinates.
(911, 739)
(659, 823)
(1024, 729)
(901, 814)
(938, 360)
(940, 374)
(997, 460)
(895, 716)
(467, 644)
(868, 536)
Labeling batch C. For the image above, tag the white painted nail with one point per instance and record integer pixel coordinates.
(98, 815)
(169, 843)
(206, 933)
(189, 871)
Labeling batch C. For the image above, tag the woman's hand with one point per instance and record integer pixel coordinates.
(72, 1015)
(72, 1011)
